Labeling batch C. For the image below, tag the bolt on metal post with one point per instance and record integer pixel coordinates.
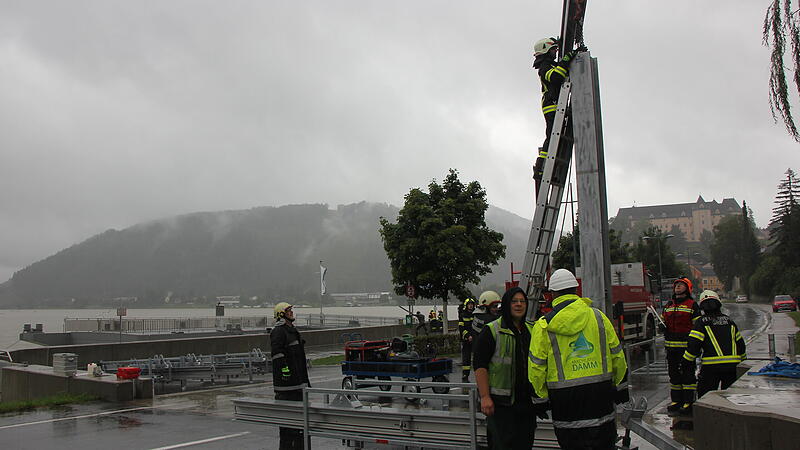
(771, 341)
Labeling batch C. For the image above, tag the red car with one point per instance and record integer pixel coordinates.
(783, 303)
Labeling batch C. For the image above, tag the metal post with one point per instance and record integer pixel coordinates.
(306, 436)
(646, 361)
(771, 340)
(792, 350)
(472, 427)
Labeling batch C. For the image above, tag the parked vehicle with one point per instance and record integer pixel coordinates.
(741, 299)
(783, 303)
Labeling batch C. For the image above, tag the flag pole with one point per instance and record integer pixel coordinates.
(321, 288)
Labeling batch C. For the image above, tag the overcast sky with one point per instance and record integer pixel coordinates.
(113, 113)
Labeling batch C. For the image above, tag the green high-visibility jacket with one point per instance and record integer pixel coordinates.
(574, 345)
(501, 366)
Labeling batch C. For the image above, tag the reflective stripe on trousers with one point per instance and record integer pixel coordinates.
(584, 423)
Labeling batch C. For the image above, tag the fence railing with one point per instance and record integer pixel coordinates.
(163, 324)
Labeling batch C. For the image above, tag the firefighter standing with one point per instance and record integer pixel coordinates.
(576, 360)
(679, 316)
(465, 331)
(488, 310)
(716, 339)
(552, 74)
(289, 371)
(507, 397)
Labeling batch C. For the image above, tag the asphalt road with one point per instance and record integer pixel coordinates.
(204, 419)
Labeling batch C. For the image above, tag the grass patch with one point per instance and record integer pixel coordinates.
(50, 401)
(332, 360)
(796, 316)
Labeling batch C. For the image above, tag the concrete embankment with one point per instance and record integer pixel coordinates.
(201, 345)
(756, 412)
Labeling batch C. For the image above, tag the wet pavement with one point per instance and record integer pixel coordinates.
(203, 419)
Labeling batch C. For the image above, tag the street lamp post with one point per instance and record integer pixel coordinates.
(658, 246)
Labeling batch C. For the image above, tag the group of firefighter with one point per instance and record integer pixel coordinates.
(570, 361)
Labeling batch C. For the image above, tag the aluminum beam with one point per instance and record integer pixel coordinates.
(591, 178)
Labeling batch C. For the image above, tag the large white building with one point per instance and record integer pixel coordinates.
(691, 218)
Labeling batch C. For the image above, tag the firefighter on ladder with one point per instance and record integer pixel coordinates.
(552, 74)
(465, 331)
(679, 316)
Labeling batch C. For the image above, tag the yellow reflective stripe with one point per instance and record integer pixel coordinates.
(689, 387)
(737, 337)
(688, 356)
(695, 318)
(697, 334)
(549, 108)
(542, 154)
(675, 343)
(721, 360)
(714, 341)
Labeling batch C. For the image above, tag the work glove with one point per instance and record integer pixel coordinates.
(285, 373)
(569, 56)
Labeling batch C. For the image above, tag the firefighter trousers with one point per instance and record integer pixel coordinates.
(682, 380)
(602, 437)
(712, 376)
(466, 358)
(290, 438)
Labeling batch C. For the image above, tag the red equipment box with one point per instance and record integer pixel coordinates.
(128, 373)
(367, 350)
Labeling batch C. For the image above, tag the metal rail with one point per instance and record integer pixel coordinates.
(351, 420)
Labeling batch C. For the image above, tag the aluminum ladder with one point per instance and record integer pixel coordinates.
(548, 202)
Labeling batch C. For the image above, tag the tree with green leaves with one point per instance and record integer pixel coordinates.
(652, 242)
(735, 249)
(565, 255)
(441, 242)
(781, 33)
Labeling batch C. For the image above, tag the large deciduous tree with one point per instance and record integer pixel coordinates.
(441, 242)
(735, 249)
(781, 32)
(565, 256)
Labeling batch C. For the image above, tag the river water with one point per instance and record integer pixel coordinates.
(52, 320)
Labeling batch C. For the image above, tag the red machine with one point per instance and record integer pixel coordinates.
(128, 373)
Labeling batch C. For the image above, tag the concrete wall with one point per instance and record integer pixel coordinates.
(207, 345)
(22, 383)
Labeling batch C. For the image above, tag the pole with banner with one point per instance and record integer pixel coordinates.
(322, 291)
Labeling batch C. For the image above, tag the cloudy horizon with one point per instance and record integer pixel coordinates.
(115, 113)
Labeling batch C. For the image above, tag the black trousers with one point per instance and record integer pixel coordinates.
(682, 380)
(511, 427)
(601, 437)
(712, 376)
(290, 438)
(466, 358)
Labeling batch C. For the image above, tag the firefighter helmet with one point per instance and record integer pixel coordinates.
(543, 46)
(468, 301)
(709, 301)
(685, 281)
(280, 310)
(488, 298)
(562, 279)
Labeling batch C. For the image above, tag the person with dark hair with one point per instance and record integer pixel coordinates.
(716, 340)
(507, 398)
(679, 316)
(576, 360)
(465, 318)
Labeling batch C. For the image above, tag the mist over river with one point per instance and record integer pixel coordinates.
(12, 320)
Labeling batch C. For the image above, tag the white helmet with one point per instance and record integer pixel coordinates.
(489, 297)
(708, 294)
(543, 46)
(280, 310)
(562, 279)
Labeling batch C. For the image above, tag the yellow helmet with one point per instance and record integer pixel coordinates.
(467, 301)
(489, 297)
(280, 310)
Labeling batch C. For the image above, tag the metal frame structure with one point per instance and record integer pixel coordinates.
(348, 419)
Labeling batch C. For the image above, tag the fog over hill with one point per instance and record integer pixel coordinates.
(269, 252)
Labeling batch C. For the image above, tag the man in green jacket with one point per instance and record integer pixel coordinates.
(507, 397)
(576, 360)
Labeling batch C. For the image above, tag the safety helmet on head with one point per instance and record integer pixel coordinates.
(685, 281)
(543, 46)
(562, 279)
(468, 301)
(709, 301)
(280, 310)
(488, 298)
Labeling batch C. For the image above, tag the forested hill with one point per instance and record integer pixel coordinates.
(268, 252)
